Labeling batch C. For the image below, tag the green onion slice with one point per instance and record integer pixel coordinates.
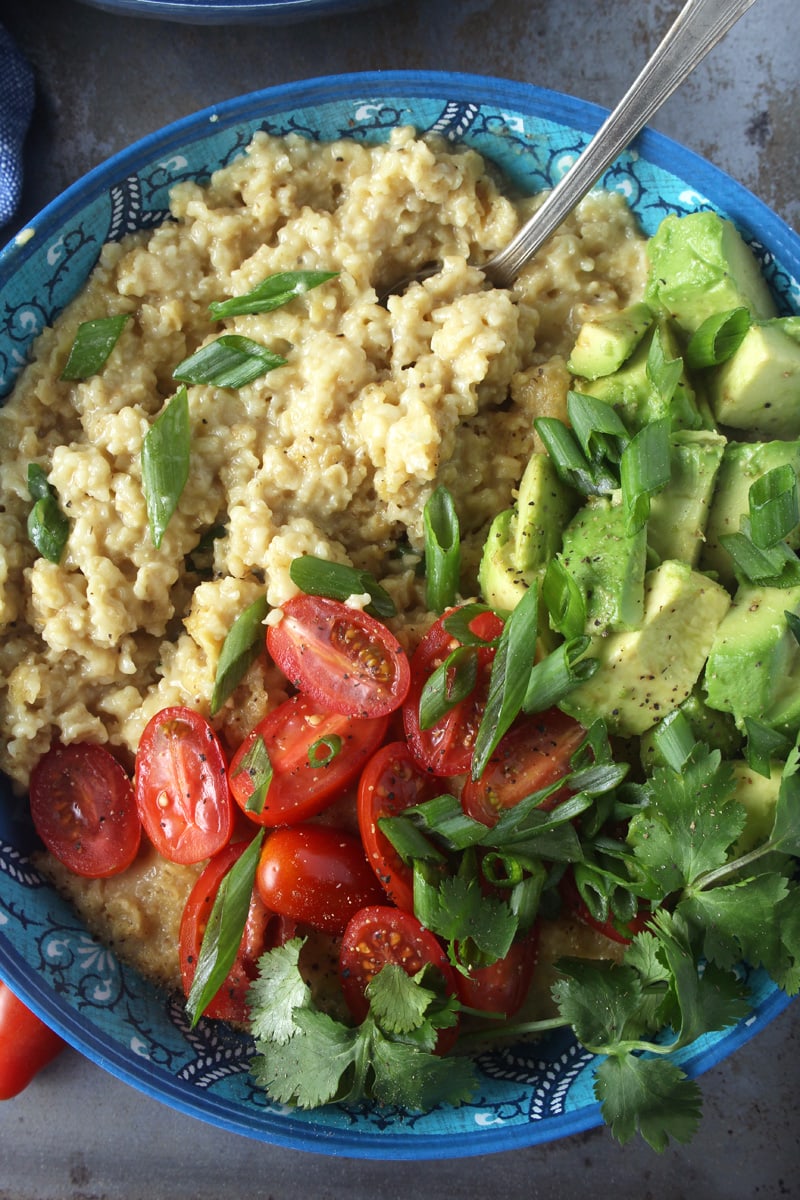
(256, 763)
(564, 600)
(48, 528)
(242, 646)
(451, 682)
(165, 463)
(273, 292)
(458, 624)
(94, 341)
(664, 373)
(571, 464)
(644, 469)
(774, 507)
(231, 361)
(718, 338)
(442, 550)
(508, 681)
(319, 577)
(674, 740)
(555, 676)
(774, 566)
(597, 426)
(226, 925)
(324, 750)
(764, 745)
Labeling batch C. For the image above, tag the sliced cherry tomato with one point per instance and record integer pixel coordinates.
(314, 755)
(347, 660)
(617, 931)
(315, 875)
(378, 935)
(446, 747)
(533, 754)
(182, 786)
(26, 1044)
(503, 986)
(391, 781)
(260, 935)
(83, 807)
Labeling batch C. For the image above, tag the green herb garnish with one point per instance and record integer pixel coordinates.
(48, 528)
(231, 361)
(242, 646)
(94, 341)
(442, 550)
(273, 292)
(165, 463)
(338, 581)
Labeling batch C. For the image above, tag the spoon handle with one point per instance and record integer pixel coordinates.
(695, 31)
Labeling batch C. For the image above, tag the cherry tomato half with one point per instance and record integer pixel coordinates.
(314, 755)
(26, 1044)
(503, 986)
(315, 875)
(83, 808)
(533, 754)
(345, 659)
(446, 747)
(230, 1002)
(378, 935)
(390, 782)
(182, 786)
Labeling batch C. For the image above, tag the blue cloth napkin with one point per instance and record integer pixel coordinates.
(16, 106)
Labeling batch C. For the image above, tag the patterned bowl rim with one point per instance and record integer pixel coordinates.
(727, 195)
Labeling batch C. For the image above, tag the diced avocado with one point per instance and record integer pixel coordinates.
(679, 512)
(501, 582)
(742, 463)
(716, 729)
(753, 667)
(544, 506)
(603, 345)
(645, 674)
(607, 564)
(633, 393)
(758, 388)
(700, 265)
(759, 795)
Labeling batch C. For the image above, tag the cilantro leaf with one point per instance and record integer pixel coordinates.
(737, 921)
(417, 1081)
(307, 1069)
(786, 829)
(277, 992)
(478, 928)
(689, 824)
(652, 1096)
(788, 917)
(603, 1001)
(398, 1003)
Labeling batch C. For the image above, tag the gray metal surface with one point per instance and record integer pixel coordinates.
(105, 80)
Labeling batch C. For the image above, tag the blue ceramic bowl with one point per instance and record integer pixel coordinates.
(535, 1093)
(234, 12)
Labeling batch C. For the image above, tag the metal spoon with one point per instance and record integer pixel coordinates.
(695, 31)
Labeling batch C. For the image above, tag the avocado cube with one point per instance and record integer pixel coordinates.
(759, 795)
(607, 563)
(742, 464)
(501, 582)
(753, 667)
(646, 673)
(544, 506)
(716, 729)
(758, 388)
(679, 512)
(603, 345)
(700, 265)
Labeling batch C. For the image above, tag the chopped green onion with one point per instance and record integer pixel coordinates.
(319, 577)
(563, 600)
(231, 361)
(94, 341)
(273, 292)
(444, 817)
(243, 644)
(775, 566)
(571, 464)
(224, 931)
(664, 373)
(674, 740)
(644, 469)
(442, 550)
(764, 744)
(324, 750)
(48, 528)
(597, 427)
(554, 677)
(165, 463)
(459, 624)
(508, 681)
(718, 338)
(774, 507)
(451, 682)
(256, 763)
(408, 839)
